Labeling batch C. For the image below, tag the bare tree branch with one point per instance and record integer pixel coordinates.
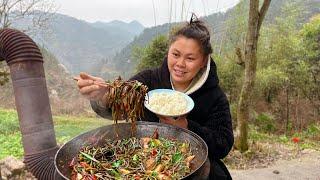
(13, 4)
(38, 12)
(262, 12)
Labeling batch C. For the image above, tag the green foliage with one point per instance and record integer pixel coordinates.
(233, 36)
(270, 81)
(66, 127)
(265, 123)
(279, 44)
(236, 27)
(283, 139)
(9, 122)
(310, 33)
(313, 130)
(10, 136)
(255, 135)
(152, 55)
(307, 141)
(230, 77)
(142, 40)
(282, 58)
(311, 43)
(10, 145)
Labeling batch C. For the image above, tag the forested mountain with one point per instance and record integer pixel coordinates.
(285, 95)
(83, 46)
(129, 29)
(219, 23)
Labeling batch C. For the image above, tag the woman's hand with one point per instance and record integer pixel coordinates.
(180, 121)
(89, 89)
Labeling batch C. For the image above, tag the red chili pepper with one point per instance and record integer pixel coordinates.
(94, 177)
(296, 139)
(136, 177)
(73, 162)
(166, 173)
(73, 176)
(154, 152)
(84, 164)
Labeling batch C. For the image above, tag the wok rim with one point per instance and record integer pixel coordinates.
(140, 123)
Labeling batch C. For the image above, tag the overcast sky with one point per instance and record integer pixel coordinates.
(147, 12)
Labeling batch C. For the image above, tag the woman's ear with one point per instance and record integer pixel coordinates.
(205, 61)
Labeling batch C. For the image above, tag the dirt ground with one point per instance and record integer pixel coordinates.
(306, 167)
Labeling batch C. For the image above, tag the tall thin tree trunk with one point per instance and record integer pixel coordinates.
(255, 20)
(287, 110)
(296, 114)
(221, 42)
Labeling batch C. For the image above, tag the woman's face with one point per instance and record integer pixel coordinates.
(185, 59)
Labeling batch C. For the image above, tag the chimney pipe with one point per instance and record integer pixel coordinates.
(32, 102)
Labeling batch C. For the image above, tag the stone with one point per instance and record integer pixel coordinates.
(10, 167)
(276, 172)
(4, 173)
(308, 151)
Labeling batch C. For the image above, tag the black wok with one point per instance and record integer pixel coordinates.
(98, 136)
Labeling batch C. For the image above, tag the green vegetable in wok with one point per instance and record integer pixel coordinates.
(134, 158)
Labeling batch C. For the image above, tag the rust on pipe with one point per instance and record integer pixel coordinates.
(32, 102)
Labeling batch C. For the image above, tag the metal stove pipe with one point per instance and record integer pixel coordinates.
(32, 102)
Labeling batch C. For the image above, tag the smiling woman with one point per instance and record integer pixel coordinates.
(189, 69)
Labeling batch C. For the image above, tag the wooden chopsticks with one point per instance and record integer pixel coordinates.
(94, 82)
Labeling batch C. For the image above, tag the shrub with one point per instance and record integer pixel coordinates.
(265, 123)
(313, 131)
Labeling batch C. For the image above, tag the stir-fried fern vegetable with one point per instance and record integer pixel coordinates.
(126, 99)
(133, 158)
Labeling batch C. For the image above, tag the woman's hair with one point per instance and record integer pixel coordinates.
(197, 30)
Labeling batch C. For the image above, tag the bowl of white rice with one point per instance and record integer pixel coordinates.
(168, 102)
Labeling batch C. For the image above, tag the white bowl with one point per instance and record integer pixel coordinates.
(190, 103)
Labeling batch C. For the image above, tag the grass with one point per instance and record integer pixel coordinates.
(262, 145)
(66, 127)
(307, 140)
(266, 148)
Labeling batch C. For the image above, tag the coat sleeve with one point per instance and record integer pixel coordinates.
(143, 77)
(101, 111)
(217, 129)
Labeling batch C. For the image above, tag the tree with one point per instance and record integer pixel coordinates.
(230, 39)
(256, 17)
(13, 12)
(152, 55)
(311, 43)
(37, 11)
(236, 29)
(279, 69)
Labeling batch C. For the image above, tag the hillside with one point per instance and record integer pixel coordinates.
(82, 46)
(129, 29)
(217, 23)
(63, 93)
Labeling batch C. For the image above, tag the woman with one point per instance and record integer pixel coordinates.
(189, 69)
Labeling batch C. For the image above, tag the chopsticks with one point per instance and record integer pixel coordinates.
(94, 82)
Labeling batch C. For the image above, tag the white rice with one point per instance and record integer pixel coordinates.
(167, 103)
